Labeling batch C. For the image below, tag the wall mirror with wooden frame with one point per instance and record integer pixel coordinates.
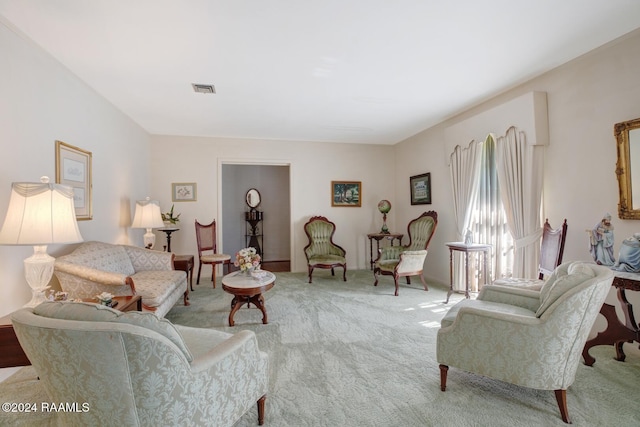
(628, 168)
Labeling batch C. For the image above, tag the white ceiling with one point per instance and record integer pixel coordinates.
(361, 71)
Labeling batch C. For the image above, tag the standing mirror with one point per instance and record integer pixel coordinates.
(628, 168)
(253, 198)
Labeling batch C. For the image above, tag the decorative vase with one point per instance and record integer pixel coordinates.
(384, 206)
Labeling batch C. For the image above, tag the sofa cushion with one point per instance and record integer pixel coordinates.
(155, 286)
(89, 312)
(102, 256)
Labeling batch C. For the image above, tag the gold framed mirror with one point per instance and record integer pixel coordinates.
(628, 168)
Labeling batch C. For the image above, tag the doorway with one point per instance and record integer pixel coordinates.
(272, 181)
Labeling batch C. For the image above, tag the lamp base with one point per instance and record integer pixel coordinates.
(149, 239)
(38, 270)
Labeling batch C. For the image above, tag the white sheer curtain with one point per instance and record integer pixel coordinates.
(465, 175)
(490, 220)
(520, 169)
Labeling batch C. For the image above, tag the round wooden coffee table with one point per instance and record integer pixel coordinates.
(247, 289)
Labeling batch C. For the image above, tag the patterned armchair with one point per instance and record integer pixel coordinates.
(135, 369)
(526, 337)
(408, 260)
(321, 252)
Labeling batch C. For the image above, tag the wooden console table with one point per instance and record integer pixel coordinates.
(377, 237)
(617, 333)
(473, 247)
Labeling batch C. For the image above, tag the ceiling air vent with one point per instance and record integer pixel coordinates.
(203, 88)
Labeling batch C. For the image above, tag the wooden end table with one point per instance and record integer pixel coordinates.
(125, 302)
(185, 263)
(249, 290)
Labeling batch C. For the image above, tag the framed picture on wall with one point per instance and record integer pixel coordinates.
(346, 193)
(421, 189)
(73, 168)
(184, 192)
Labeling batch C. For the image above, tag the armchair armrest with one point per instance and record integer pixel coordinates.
(241, 345)
(511, 295)
(390, 253)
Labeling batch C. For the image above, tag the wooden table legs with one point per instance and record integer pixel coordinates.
(239, 300)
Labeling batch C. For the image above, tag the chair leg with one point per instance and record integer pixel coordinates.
(426, 288)
(213, 274)
(261, 410)
(332, 272)
(395, 280)
(375, 276)
(344, 273)
(198, 278)
(310, 273)
(561, 397)
(443, 377)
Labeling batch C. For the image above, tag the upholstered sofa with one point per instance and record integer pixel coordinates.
(96, 267)
(135, 369)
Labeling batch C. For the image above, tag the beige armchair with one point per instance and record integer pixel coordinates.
(526, 337)
(135, 369)
(408, 260)
(321, 251)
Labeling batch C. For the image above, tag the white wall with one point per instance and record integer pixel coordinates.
(42, 102)
(313, 167)
(585, 98)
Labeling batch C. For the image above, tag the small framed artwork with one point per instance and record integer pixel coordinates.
(73, 168)
(346, 193)
(421, 189)
(184, 192)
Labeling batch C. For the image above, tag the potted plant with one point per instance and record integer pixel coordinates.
(169, 219)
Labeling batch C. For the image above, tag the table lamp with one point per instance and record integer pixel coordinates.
(384, 206)
(39, 214)
(148, 216)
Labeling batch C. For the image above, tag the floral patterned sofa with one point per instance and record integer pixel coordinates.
(135, 369)
(96, 267)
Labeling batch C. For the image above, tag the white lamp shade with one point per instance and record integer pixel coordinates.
(40, 214)
(147, 214)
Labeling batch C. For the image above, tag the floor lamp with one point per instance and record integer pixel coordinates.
(39, 214)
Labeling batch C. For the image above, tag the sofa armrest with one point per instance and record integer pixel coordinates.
(390, 253)
(144, 259)
(91, 274)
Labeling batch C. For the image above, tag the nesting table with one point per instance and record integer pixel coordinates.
(247, 289)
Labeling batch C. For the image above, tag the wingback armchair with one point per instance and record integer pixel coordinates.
(526, 337)
(135, 369)
(321, 251)
(408, 260)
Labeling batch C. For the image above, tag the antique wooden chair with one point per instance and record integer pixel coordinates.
(551, 251)
(322, 252)
(408, 260)
(207, 250)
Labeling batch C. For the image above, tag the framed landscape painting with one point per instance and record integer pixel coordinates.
(421, 189)
(73, 168)
(346, 193)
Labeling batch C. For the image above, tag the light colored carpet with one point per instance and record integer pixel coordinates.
(351, 354)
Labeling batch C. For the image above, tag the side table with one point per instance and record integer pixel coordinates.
(125, 302)
(168, 231)
(11, 353)
(377, 237)
(185, 263)
(473, 247)
(617, 333)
